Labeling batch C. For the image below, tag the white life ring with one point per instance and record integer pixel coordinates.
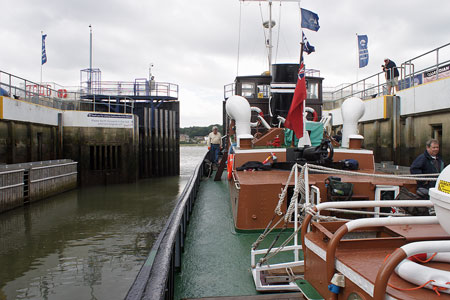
(420, 274)
(311, 110)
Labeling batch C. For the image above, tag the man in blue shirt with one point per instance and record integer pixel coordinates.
(391, 74)
(429, 162)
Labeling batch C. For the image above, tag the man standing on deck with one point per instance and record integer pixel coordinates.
(391, 74)
(428, 162)
(215, 143)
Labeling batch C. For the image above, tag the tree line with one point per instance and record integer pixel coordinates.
(199, 130)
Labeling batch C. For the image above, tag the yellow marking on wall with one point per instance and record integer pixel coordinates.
(384, 107)
(1, 107)
(444, 186)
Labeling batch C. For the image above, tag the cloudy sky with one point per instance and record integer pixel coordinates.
(195, 43)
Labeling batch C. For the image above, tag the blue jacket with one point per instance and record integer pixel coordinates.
(391, 69)
(423, 164)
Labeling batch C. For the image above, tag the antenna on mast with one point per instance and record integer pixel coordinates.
(269, 25)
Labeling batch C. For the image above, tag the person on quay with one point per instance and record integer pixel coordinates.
(215, 143)
(391, 74)
(429, 162)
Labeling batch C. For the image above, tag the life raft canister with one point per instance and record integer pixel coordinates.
(230, 165)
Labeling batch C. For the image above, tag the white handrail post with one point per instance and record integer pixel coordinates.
(306, 174)
(296, 256)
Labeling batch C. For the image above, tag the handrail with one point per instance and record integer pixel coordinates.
(48, 94)
(155, 279)
(375, 83)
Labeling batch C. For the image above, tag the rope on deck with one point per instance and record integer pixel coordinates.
(418, 177)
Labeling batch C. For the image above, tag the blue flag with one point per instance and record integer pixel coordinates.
(363, 41)
(44, 55)
(307, 47)
(310, 20)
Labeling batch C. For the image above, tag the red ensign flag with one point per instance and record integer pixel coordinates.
(294, 118)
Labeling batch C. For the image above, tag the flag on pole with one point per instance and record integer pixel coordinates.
(310, 20)
(363, 41)
(294, 118)
(307, 47)
(44, 54)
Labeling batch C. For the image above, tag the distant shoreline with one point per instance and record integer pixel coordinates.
(193, 145)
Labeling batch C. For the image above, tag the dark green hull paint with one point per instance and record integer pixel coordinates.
(216, 258)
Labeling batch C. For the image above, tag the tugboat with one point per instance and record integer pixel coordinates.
(298, 219)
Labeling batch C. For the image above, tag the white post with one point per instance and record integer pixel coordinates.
(306, 175)
(270, 36)
(296, 257)
(90, 59)
(357, 61)
(40, 82)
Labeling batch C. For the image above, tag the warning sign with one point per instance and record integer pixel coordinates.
(444, 186)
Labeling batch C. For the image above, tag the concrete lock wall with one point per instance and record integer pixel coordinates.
(22, 142)
(105, 155)
(109, 147)
(397, 128)
(33, 181)
(159, 136)
(11, 189)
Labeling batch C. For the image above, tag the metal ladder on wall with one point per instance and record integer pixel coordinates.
(26, 186)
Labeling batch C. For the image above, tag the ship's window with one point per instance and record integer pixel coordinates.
(248, 90)
(313, 90)
(385, 192)
(263, 91)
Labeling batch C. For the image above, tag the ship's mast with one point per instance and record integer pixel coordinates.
(269, 26)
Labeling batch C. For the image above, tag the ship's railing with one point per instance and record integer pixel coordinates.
(138, 88)
(156, 278)
(424, 68)
(229, 90)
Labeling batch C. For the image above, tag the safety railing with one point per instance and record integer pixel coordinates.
(138, 88)
(156, 279)
(415, 71)
(112, 97)
(229, 90)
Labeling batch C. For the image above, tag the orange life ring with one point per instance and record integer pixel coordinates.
(62, 93)
(230, 165)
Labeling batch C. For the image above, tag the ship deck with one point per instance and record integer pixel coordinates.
(285, 296)
(216, 258)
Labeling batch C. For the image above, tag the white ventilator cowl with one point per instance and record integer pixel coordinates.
(440, 196)
(239, 110)
(352, 110)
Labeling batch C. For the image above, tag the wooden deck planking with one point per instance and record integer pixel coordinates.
(285, 296)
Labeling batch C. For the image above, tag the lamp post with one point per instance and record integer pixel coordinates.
(90, 60)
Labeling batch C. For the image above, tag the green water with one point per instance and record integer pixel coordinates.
(88, 243)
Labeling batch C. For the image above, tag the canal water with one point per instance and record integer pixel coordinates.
(88, 243)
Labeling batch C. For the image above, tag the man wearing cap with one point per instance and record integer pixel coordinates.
(391, 74)
(215, 143)
(429, 162)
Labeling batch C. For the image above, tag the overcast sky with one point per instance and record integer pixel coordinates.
(195, 43)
